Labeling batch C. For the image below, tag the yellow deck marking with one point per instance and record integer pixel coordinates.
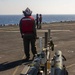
(70, 65)
(14, 73)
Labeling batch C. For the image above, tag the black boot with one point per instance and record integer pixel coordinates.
(26, 59)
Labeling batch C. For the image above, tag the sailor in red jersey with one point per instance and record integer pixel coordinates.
(28, 32)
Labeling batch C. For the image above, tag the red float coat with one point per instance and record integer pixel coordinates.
(27, 25)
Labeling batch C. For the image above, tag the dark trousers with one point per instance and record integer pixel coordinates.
(27, 40)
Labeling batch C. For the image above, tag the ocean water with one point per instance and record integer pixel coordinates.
(14, 19)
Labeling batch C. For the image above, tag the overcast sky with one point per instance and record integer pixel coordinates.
(37, 6)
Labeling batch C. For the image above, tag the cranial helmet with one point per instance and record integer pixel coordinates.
(27, 11)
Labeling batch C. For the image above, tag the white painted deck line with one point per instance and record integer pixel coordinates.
(42, 31)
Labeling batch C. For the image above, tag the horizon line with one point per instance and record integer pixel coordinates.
(38, 13)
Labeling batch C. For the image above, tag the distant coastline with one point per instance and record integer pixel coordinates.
(44, 23)
(14, 19)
